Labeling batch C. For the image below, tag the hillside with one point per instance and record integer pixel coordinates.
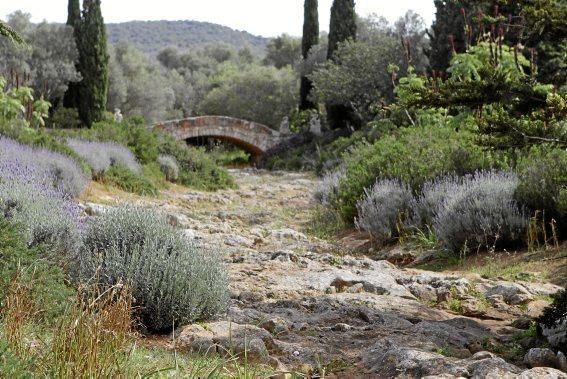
(152, 36)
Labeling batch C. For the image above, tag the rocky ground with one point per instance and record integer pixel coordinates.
(305, 305)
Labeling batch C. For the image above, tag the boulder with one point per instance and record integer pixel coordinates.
(512, 293)
(227, 337)
(542, 373)
(541, 358)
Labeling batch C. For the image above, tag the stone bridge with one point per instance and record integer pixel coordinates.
(250, 136)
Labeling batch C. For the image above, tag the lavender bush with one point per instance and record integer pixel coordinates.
(172, 280)
(40, 167)
(426, 206)
(328, 189)
(100, 156)
(384, 206)
(478, 212)
(169, 166)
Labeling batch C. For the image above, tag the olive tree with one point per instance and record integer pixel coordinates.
(258, 93)
(49, 58)
(358, 76)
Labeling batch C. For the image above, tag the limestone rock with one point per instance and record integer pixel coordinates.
(275, 326)
(542, 373)
(288, 234)
(513, 293)
(541, 358)
(225, 336)
(196, 339)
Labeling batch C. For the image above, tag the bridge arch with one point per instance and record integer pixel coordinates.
(250, 136)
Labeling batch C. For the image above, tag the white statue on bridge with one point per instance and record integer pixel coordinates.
(118, 115)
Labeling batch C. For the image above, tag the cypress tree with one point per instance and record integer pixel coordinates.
(310, 39)
(343, 24)
(94, 64)
(70, 99)
(342, 28)
(89, 96)
(73, 12)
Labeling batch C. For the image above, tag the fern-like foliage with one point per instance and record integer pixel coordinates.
(11, 34)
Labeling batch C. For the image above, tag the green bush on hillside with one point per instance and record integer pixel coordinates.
(197, 168)
(543, 183)
(413, 155)
(121, 177)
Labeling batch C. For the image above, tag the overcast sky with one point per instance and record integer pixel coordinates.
(260, 17)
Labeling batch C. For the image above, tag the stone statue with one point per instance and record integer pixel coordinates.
(284, 126)
(118, 115)
(315, 125)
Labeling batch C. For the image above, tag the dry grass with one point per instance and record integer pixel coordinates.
(93, 341)
(544, 265)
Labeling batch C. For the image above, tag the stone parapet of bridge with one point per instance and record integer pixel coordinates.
(252, 137)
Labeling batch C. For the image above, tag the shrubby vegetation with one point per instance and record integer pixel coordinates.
(101, 156)
(413, 155)
(384, 209)
(49, 61)
(479, 213)
(173, 281)
(37, 190)
(169, 166)
(237, 90)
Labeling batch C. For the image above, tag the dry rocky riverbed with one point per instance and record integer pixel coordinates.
(302, 304)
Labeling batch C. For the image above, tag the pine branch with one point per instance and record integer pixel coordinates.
(11, 34)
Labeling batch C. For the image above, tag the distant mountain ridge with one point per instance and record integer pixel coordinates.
(153, 36)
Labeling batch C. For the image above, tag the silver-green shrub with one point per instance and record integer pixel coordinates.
(173, 281)
(384, 208)
(479, 212)
(101, 156)
(44, 217)
(169, 166)
(433, 193)
(328, 189)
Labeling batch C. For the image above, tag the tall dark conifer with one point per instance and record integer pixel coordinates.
(70, 99)
(89, 95)
(342, 28)
(93, 62)
(310, 39)
(343, 24)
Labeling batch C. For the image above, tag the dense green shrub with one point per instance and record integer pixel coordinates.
(479, 212)
(543, 183)
(63, 118)
(49, 293)
(132, 132)
(197, 168)
(412, 155)
(173, 281)
(122, 177)
(384, 209)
